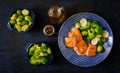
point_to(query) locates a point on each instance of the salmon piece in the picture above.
(75, 40)
(75, 33)
(78, 51)
(81, 47)
(70, 42)
(91, 51)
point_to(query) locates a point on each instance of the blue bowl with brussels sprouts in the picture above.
(21, 20)
(39, 54)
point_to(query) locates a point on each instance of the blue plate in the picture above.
(70, 54)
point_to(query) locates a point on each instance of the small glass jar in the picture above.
(48, 30)
(57, 14)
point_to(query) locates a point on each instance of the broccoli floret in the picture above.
(94, 24)
(99, 30)
(35, 61)
(91, 35)
(31, 50)
(43, 60)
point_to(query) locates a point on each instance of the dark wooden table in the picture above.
(13, 58)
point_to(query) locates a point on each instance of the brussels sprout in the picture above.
(21, 16)
(18, 19)
(14, 15)
(30, 23)
(99, 30)
(18, 27)
(28, 18)
(12, 22)
(24, 27)
(24, 22)
(99, 43)
(104, 40)
(25, 12)
(77, 25)
(19, 12)
(88, 23)
(19, 22)
(99, 49)
(13, 18)
(84, 33)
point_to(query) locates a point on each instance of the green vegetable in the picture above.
(14, 15)
(12, 22)
(13, 18)
(99, 43)
(31, 50)
(25, 12)
(24, 27)
(21, 18)
(85, 27)
(43, 60)
(94, 24)
(84, 33)
(24, 22)
(49, 51)
(40, 54)
(104, 40)
(99, 30)
(28, 18)
(91, 35)
(99, 49)
(99, 36)
(18, 19)
(77, 25)
(37, 51)
(92, 29)
(34, 60)
(18, 27)
(19, 12)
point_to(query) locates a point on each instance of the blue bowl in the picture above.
(29, 45)
(11, 28)
(70, 54)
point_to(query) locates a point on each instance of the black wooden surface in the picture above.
(13, 58)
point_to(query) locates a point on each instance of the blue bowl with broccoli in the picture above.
(21, 20)
(39, 54)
